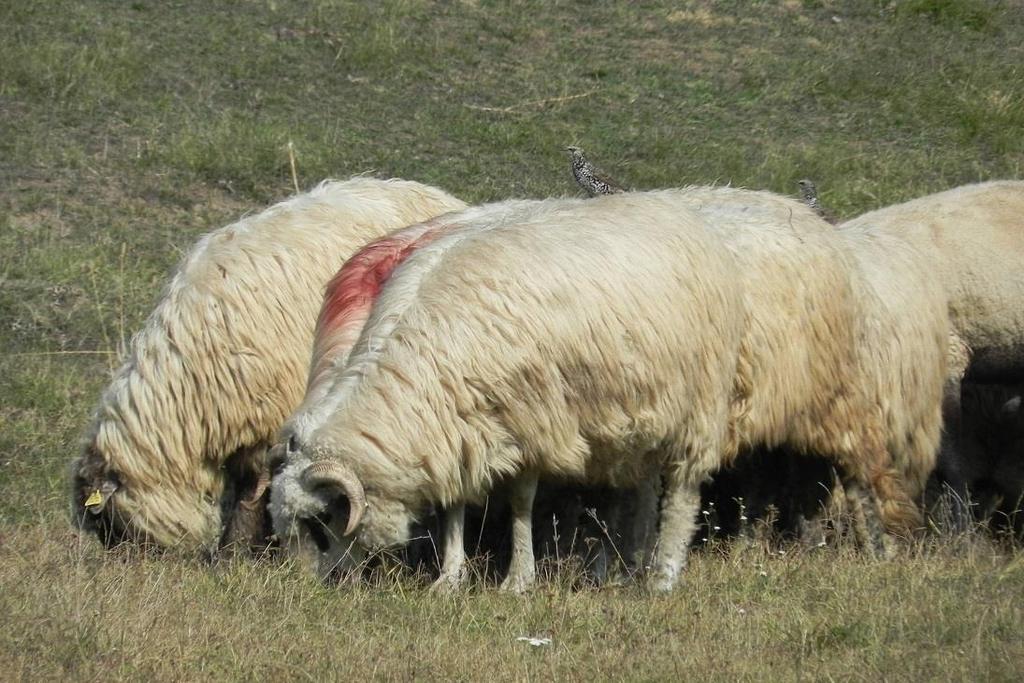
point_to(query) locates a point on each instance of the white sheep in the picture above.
(905, 356)
(585, 340)
(221, 362)
(903, 329)
(972, 238)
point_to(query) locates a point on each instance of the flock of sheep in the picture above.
(327, 374)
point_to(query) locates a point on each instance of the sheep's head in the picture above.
(92, 500)
(326, 519)
(112, 501)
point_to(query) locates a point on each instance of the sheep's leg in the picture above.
(679, 506)
(813, 528)
(867, 522)
(837, 511)
(989, 501)
(954, 501)
(603, 560)
(617, 543)
(644, 524)
(954, 504)
(522, 570)
(858, 521)
(453, 570)
(635, 522)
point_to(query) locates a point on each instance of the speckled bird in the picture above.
(809, 193)
(591, 179)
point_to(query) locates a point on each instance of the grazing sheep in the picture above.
(543, 370)
(220, 363)
(585, 340)
(348, 299)
(972, 237)
(347, 303)
(901, 337)
(905, 352)
(903, 359)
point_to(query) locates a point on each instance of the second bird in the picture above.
(809, 194)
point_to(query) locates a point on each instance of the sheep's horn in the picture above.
(262, 484)
(332, 473)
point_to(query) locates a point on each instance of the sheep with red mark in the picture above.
(220, 363)
(348, 299)
(584, 340)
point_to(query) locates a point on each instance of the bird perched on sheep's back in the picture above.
(591, 179)
(809, 195)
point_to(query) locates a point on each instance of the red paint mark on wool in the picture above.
(352, 291)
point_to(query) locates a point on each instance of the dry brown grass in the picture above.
(935, 613)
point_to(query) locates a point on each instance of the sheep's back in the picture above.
(798, 379)
(973, 237)
(568, 336)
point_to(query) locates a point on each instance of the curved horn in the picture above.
(332, 473)
(262, 484)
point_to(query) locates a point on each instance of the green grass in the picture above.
(128, 129)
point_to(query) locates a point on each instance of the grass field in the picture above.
(127, 129)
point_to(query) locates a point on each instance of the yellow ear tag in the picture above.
(94, 500)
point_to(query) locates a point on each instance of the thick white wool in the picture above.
(223, 358)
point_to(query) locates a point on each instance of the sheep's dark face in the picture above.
(311, 518)
(310, 524)
(95, 507)
(108, 502)
(1001, 439)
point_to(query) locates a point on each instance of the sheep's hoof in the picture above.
(618, 578)
(448, 583)
(662, 581)
(887, 548)
(517, 584)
